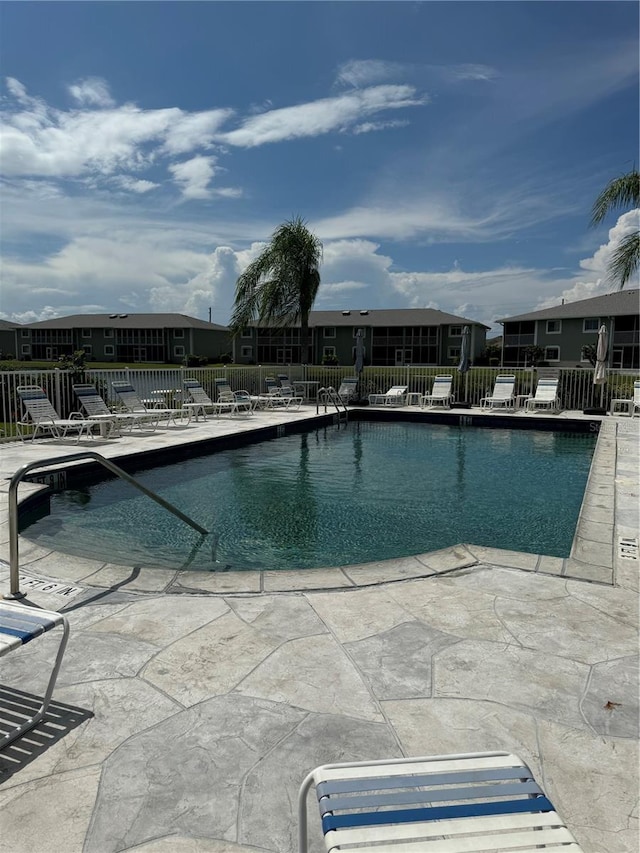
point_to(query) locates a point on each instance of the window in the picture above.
(87, 348)
(455, 331)
(246, 352)
(178, 333)
(328, 351)
(26, 349)
(552, 353)
(246, 333)
(25, 333)
(453, 353)
(109, 350)
(583, 355)
(554, 327)
(108, 333)
(178, 351)
(329, 332)
(86, 333)
(590, 324)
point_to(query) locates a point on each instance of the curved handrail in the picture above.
(14, 574)
(327, 396)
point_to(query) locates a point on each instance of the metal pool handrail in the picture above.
(14, 575)
(329, 395)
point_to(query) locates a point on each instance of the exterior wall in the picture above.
(572, 336)
(8, 343)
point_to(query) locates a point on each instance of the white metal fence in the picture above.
(577, 391)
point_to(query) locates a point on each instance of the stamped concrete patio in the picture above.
(189, 709)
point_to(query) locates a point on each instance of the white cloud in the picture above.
(93, 92)
(365, 72)
(321, 116)
(194, 130)
(370, 126)
(135, 185)
(193, 176)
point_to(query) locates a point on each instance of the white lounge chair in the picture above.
(200, 403)
(131, 401)
(395, 396)
(440, 393)
(239, 401)
(631, 405)
(347, 388)
(278, 396)
(41, 417)
(97, 410)
(20, 624)
(437, 804)
(546, 396)
(503, 394)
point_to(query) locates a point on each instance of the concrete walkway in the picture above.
(184, 723)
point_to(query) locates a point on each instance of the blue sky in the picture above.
(446, 153)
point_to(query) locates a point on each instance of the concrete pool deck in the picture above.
(189, 710)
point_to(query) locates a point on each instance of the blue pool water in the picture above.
(336, 496)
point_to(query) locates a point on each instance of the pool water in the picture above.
(335, 496)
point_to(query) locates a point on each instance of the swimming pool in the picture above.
(336, 496)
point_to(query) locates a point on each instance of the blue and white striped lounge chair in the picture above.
(278, 396)
(440, 393)
(395, 396)
(19, 625)
(239, 402)
(41, 417)
(546, 396)
(484, 801)
(503, 394)
(200, 403)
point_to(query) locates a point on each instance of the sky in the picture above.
(447, 154)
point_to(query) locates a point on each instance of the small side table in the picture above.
(413, 398)
(521, 400)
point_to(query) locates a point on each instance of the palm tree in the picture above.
(280, 286)
(620, 193)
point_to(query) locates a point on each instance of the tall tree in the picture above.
(280, 286)
(621, 193)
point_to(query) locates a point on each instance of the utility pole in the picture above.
(209, 314)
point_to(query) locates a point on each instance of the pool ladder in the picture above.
(14, 573)
(329, 397)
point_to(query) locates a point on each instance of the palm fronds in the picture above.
(622, 192)
(625, 260)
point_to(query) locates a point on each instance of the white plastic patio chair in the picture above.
(200, 403)
(395, 396)
(41, 415)
(440, 393)
(347, 388)
(238, 402)
(546, 396)
(503, 394)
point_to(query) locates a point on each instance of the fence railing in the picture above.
(576, 388)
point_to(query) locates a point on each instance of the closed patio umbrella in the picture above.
(602, 350)
(463, 366)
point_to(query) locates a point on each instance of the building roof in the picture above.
(126, 321)
(619, 304)
(387, 317)
(8, 326)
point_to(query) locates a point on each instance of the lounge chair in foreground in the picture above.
(546, 396)
(632, 405)
(395, 396)
(20, 624)
(131, 401)
(97, 410)
(440, 393)
(503, 394)
(41, 417)
(483, 801)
